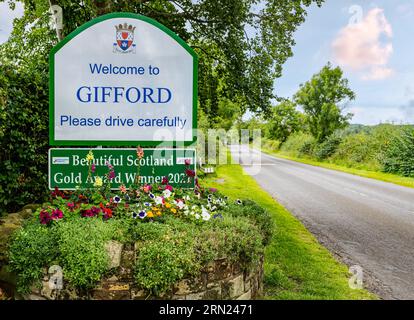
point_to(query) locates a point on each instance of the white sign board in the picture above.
(122, 79)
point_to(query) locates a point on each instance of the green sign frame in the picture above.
(54, 142)
(71, 165)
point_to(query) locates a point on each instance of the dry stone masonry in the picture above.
(220, 280)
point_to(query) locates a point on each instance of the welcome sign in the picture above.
(122, 79)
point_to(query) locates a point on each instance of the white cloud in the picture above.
(6, 19)
(375, 115)
(358, 46)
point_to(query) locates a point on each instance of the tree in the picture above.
(323, 99)
(241, 45)
(284, 121)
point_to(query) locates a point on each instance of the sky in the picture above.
(372, 41)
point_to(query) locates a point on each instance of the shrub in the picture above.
(81, 250)
(32, 248)
(328, 147)
(299, 144)
(170, 247)
(23, 135)
(257, 214)
(399, 157)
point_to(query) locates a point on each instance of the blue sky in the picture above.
(371, 40)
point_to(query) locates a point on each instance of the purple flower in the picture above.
(111, 175)
(190, 173)
(44, 217)
(213, 190)
(142, 214)
(57, 214)
(93, 167)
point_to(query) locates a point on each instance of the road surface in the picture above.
(362, 221)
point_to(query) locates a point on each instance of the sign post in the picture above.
(122, 79)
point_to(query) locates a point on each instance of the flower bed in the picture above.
(149, 238)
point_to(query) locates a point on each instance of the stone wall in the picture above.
(219, 280)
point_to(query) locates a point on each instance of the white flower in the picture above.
(197, 216)
(179, 204)
(205, 214)
(187, 197)
(158, 200)
(166, 193)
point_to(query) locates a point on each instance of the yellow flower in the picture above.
(173, 210)
(150, 214)
(89, 157)
(167, 205)
(98, 182)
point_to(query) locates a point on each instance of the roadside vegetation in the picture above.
(296, 265)
(313, 128)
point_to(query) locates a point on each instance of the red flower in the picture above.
(164, 180)
(57, 214)
(168, 187)
(190, 173)
(57, 193)
(44, 217)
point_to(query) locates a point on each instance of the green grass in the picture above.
(386, 177)
(296, 265)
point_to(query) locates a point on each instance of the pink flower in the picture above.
(57, 214)
(168, 187)
(123, 189)
(164, 180)
(147, 188)
(187, 162)
(140, 152)
(111, 175)
(93, 167)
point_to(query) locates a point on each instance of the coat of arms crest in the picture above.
(124, 38)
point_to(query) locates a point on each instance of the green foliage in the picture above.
(399, 157)
(235, 72)
(81, 250)
(253, 211)
(328, 147)
(320, 98)
(32, 248)
(163, 261)
(23, 132)
(284, 121)
(168, 250)
(299, 144)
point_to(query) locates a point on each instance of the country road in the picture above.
(362, 221)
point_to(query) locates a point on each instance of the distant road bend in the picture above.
(363, 221)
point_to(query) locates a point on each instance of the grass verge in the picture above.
(382, 176)
(296, 265)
